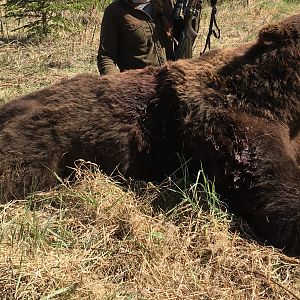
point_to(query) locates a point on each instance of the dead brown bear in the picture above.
(236, 111)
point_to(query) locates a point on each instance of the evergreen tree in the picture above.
(42, 17)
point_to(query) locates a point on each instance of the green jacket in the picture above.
(131, 39)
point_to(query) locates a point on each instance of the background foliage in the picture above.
(38, 18)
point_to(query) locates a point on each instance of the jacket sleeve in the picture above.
(109, 43)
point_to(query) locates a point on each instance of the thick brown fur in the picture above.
(235, 111)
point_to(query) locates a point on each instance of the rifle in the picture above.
(187, 15)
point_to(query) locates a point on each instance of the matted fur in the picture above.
(236, 111)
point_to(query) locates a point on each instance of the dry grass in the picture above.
(96, 240)
(27, 65)
(239, 23)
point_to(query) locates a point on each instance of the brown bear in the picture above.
(236, 112)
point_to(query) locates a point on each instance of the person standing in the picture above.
(135, 34)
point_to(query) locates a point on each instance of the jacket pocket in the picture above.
(133, 31)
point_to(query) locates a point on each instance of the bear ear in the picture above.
(281, 33)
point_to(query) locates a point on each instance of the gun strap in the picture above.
(212, 24)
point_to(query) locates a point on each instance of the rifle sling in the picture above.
(212, 24)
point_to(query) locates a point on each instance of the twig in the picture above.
(276, 283)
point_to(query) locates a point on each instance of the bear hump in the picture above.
(281, 33)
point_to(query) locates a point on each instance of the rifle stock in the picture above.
(192, 17)
(190, 32)
(187, 13)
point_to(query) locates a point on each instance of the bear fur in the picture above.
(235, 111)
